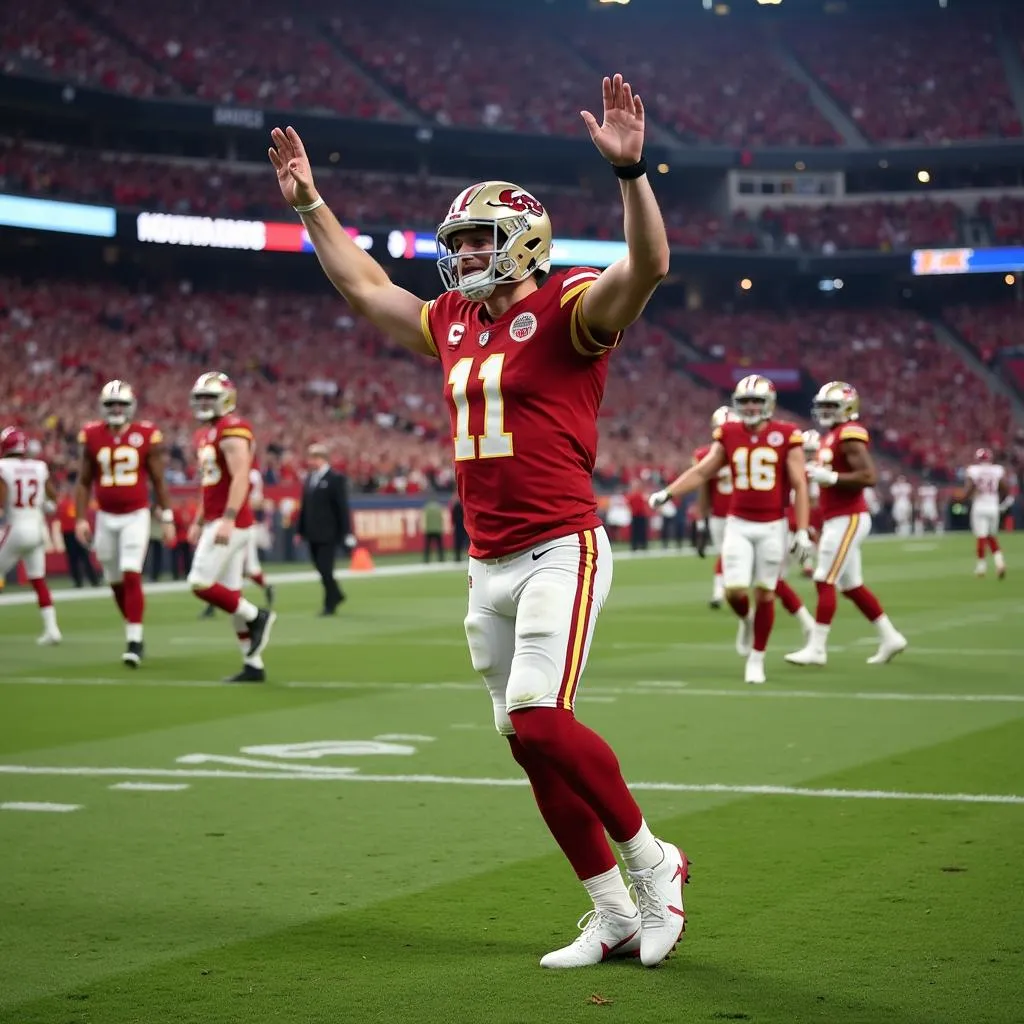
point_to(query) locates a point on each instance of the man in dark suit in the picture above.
(324, 521)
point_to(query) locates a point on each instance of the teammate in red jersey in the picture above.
(524, 354)
(121, 457)
(221, 531)
(766, 460)
(844, 469)
(713, 507)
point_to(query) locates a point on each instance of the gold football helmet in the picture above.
(811, 442)
(213, 396)
(835, 402)
(754, 399)
(117, 403)
(723, 414)
(521, 232)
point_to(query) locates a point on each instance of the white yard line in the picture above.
(31, 805)
(342, 775)
(643, 688)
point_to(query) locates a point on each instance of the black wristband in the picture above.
(631, 171)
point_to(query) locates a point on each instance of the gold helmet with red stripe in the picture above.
(213, 396)
(753, 399)
(723, 414)
(836, 402)
(117, 403)
(520, 233)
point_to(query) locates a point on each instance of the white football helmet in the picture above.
(754, 399)
(811, 442)
(117, 403)
(835, 402)
(723, 414)
(521, 233)
(213, 396)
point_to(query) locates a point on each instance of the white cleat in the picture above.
(603, 936)
(754, 672)
(659, 895)
(50, 638)
(808, 656)
(888, 649)
(745, 636)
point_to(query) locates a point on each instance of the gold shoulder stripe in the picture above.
(716, 434)
(237, 432)
(428, 335)
(583, 341)
(853, 432)
(577, 289)
(156, 437)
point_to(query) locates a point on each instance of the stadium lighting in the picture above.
(746, 284)
(1010, 279)
(924, 177)
(622, 2)
(663, 168)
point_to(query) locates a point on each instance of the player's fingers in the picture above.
(591, 122)
(274, 158)
(282, 143)
(627, 96)
(297, 146)
(638, 107)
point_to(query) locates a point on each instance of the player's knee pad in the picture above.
(764, 595)
(481, 650)
(736, 591)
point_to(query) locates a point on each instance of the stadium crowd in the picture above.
(308, 370)
(709, 80)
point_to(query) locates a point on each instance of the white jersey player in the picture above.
(902, 505)
(928, 510)
(26, 493)
(988, 493)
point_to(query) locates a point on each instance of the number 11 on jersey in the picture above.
(494, 442)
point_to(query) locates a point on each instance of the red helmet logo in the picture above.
(521, 202)
(983, 455)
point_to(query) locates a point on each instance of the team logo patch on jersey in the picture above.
(774, 439)
(135, 439)
(484, 338)
(523, 327)
(455, 335)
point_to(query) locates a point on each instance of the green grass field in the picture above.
(856, 832)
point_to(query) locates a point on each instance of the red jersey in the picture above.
(841, 501)
(118, 457)
(757, 457)
(214, 478)
(720, 486)
(523, 394)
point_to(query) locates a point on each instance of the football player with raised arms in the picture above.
(766, 459)
(990, 498)
(222, 528)
(844, 468)
(120, 457)
(26, 494)
(524, 359)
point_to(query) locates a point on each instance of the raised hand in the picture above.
(294, 175)
(620, 136)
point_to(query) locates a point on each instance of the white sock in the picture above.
(246, 609)
(641, 852)
(980, 566)
(718, 590)
(49, 615)
(755, 658)
(804, 617)
(609, 892)
(886, 630)
(133, 632)
(997, 557)
(254, 662)
(819, 636)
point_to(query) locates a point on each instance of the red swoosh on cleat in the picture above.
(607, 951)
(676, 910)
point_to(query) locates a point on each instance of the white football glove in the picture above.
(658, 498)
(822, 475)
(1006, 504)
(803, 546)
(350, 542)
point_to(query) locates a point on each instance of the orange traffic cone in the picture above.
(361, 560)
